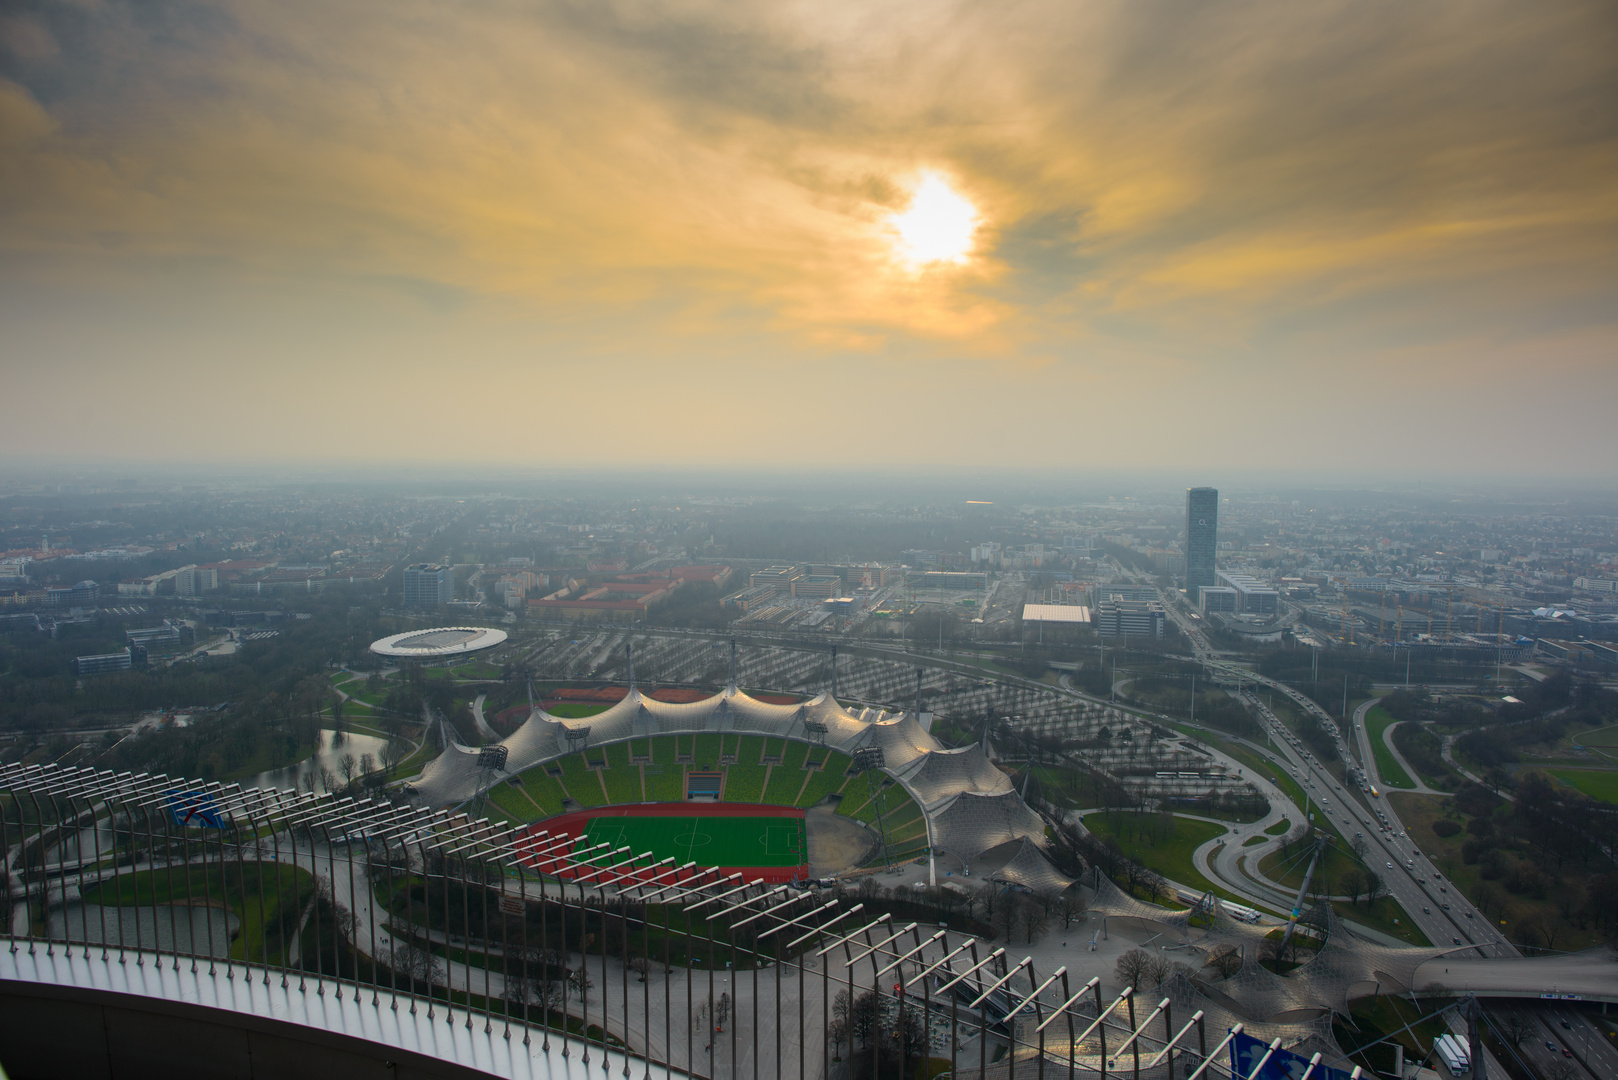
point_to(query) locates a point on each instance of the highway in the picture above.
(1443, 914)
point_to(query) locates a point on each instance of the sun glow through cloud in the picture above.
(938, 227)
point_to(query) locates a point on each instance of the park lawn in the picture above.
(477, 670)
(1418, 812)
(1279, 828)
(1170, 857)
(576, 710)
(1600, 784)
(623, 779)
(1387, 766)
(665, 783)
(1380, 916)
(580, 781)
(145, 887)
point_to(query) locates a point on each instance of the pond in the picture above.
(145, 928)
(329, 756)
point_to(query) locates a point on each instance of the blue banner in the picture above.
(194, 808)
(1246, 1052)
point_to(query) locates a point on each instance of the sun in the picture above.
(938, 227)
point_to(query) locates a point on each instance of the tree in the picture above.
(1517, 1028)
(1227, 961)
(640, 966)
(1070, 906)
(394, 751)
(347, 764)
(1131, 967)
(1156, 969)
(721, 1012)
(367, 763)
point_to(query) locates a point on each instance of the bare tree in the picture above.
(1070, 906)
(1131, 967)
(367, 763)
(347, 764)
(721, 1011)
(1155, 970)
(1517, 1028)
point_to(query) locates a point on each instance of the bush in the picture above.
(1445, 828)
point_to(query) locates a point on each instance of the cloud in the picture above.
(1210, 191)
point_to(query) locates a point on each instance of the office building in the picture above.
(1217, 598)
(1201, 538)
(1253, 597)
(428, 585)
(84, 594)
(132, 657)
(1117, 617)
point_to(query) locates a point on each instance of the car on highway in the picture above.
(1444, 906)
(1456, 940)
(1565, 1025)
(1390, 866)
(1550, 1046)
(1426, 911)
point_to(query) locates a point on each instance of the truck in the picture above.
(1454, 1054)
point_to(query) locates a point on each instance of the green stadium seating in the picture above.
(581, 781)
(787, 778)
(623, 779)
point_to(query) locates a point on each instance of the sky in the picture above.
(1377, 237)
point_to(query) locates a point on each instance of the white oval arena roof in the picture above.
(437, 642)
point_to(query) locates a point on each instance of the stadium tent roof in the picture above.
(438, 642)
(939, 779)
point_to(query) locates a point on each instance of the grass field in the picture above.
(575, 710)
(1170, 857)
(1387, 766)
(710, 841)
(1599, 784)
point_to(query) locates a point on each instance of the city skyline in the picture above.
(1274, 236)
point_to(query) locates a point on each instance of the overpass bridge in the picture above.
(1586, 976)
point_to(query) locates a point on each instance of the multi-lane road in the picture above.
(1442, 913)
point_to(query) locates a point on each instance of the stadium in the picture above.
(781, 790)
(439, 643)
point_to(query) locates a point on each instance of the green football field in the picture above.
(709, 841)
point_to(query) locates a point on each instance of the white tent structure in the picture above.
(969, 804)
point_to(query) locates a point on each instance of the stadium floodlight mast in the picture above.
(491, 761)
(578, 738)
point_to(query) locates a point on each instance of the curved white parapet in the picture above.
(307, 1011)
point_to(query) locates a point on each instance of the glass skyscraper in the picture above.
(1201, 538)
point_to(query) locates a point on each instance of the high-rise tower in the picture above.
(1201, 538)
